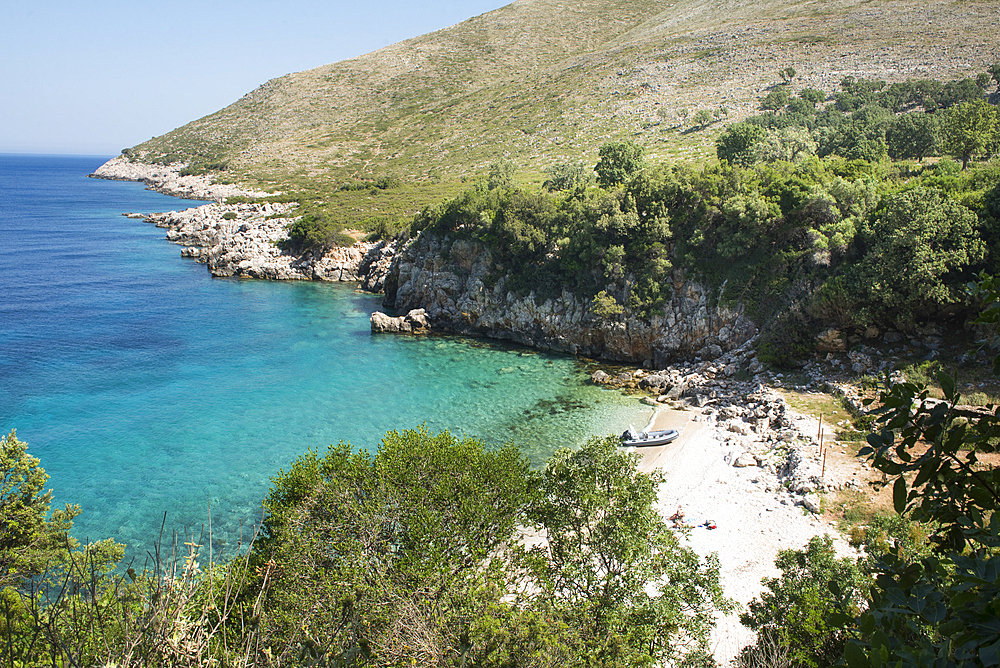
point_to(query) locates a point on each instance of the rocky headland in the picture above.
(167, 179)
(237, 240)
(451, 281)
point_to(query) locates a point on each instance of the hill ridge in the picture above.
(542, 80)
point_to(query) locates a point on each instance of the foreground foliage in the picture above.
(432, 551)
(417, 554)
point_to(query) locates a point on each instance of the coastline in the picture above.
(743, 458)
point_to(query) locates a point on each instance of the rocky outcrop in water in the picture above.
(415, 321)
(453, 281)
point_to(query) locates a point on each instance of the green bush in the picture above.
(415, 555)
(315, 231)
(796, 609)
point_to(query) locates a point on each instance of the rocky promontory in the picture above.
(167, 179)
(241, 240)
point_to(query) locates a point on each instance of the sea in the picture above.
(162, 400)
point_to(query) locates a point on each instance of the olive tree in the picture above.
(612, 569)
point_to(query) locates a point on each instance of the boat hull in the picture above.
(647, 439)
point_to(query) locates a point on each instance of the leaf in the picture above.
(947, 385)
(990, 655)
(899, 495)
(981, 495)
(855, 657)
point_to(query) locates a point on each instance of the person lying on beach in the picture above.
(678, 517)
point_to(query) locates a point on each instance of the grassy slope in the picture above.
(540, 81)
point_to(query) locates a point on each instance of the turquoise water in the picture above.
(147, 387)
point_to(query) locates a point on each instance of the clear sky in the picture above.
(93, 78)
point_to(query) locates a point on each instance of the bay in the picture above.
(151, 391)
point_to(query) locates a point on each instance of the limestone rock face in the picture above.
(374, 266)
(455, 281)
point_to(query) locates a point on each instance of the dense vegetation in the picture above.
(806, 220)
(432, 551)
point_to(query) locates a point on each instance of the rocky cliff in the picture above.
(452, 281)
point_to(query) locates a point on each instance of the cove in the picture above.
(146, 387)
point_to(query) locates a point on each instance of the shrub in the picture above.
(795, 611)
(567, 176)
(314, 231)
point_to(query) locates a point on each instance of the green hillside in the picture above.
(540, 81)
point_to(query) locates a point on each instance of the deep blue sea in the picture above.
(146, 386)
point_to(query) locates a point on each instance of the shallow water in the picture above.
(147, 387)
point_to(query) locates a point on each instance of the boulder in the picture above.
(654, 381)
(414, 321)
(831, 341)
(677, 390)
(811, 502)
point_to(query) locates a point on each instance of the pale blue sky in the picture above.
(96, 77)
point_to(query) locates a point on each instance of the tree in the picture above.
(395, 557)
(787, 74)
(618, 161)
(812, 95)
(30, 540)
(917, 246)
(612, 569)
(788, 144)
(795, 610)
(969, 130)
(738, 143)
(941, 608)
(566, 176)
(912, 136)
(501, 174)
(414, 556)
(702, 118)
(605, 306)
(775, 100)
